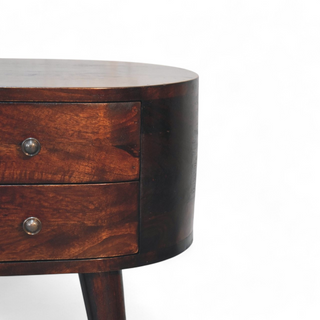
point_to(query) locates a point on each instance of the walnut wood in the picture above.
(89, 81)
(78, 221)
(80, 142)
(103, 295)
(168, 169)
(169, 106)
(94, 265)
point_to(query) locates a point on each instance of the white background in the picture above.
(256, 241)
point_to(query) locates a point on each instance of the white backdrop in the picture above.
(256, 248)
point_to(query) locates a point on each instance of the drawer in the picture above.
(79, 142)
(78, 221)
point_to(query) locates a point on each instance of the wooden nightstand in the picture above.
(97, 170)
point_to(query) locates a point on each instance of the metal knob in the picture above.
(30, 147)
(32, 226)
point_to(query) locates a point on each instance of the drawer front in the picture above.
(79, 142)
(78, 221)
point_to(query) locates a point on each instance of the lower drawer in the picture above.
(77, 221)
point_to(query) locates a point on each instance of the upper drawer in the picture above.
(80, 142)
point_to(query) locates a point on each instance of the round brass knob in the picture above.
(30, 147)
(32, 225)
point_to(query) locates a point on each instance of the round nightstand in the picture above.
(97, 170)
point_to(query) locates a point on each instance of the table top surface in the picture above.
(35, 73)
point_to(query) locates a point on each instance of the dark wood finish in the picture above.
(94, 265)
(103, 295)
(97, 122)
(89, 81)
(169, 106)
(78, 221)
(80, 142)
(168, 169)
(37, 74)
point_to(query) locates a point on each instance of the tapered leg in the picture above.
(103, 295)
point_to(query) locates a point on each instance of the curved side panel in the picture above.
(168, 169)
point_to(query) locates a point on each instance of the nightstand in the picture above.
(97, 170)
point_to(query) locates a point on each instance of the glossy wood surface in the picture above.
(78, 221)
(88, 81)
(169, 131)
(169, 142)
(35, 73)
(95, 265)
(80, 142)
(103, 295)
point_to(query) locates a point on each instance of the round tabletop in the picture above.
(35, 73)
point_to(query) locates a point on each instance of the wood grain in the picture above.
(89, 81)
(168, 156)
(78, 221)
(94, 265)
(80, 142)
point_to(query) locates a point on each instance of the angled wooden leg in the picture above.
(103, 295)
